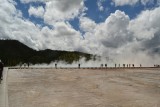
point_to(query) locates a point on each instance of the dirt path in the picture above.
(84, 88)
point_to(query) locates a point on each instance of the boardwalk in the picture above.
(3, 90)
(84, 87)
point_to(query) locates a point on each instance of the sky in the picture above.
(126, 31)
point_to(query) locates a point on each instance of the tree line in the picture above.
(13, 52)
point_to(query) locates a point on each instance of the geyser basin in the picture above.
(84, 87)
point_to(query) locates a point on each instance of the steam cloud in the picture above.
(120, 38)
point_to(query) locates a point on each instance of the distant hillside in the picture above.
(13, 52)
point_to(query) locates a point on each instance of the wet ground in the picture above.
(84, 87)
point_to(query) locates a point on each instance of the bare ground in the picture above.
(84, 88)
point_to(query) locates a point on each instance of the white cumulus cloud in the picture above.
(125, 2)
(132, 2)
(57, 10)
(146, 24)
(28, 1)
(36, 11)
(87, 24)
(99, 4)
(60, 10)
(118, 37)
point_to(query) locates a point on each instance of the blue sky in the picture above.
(117, 29)
(92, 11)
(24, 9)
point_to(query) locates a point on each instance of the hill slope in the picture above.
(13, 52)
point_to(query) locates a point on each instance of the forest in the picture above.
(13, 52)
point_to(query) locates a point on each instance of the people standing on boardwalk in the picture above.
(1, 70)
(79, 65)
(28, 64)
(106, 65)
(56, 66)
(101, 65)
